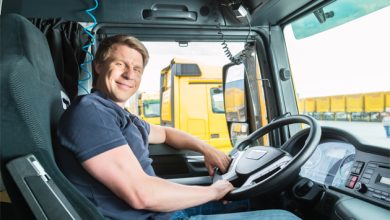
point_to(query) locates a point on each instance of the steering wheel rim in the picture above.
(275, 166)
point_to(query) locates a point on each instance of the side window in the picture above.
(217, 100)
(152, 108)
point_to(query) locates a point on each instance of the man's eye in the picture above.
(138, 71)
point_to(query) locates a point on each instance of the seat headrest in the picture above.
(20, 38)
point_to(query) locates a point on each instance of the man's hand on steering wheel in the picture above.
(215, 158)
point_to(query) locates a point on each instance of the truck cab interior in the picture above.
(282, 156)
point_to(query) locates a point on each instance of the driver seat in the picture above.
(32, 101)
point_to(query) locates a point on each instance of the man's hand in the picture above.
(215, 158)
(221, 188)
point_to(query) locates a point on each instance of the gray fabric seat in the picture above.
(32, 101)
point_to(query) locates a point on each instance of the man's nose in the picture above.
(129, 73)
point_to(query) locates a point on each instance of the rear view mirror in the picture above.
(333, 15)
(234, 93)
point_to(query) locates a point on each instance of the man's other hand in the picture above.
(215, 158)
(221, 188)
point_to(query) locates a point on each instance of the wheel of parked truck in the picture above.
(258, 170)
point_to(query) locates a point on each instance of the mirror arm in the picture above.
(268, 82)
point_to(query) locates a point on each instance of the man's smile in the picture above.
(124, 85)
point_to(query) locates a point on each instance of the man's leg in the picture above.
(218, 207)
(252, 215)
(236, 210)
(210, 208)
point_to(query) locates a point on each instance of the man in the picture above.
(104, 148)
(386, 123)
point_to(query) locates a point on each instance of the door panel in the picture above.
(171, 163)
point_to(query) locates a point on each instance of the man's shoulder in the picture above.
(90, 101)
(86, 106)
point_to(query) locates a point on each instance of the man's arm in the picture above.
(181, 140)
(120, 171)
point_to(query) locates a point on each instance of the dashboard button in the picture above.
(368, 176)
(358, 170)
(361, 187)
(364, 180)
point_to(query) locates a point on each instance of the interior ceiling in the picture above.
(263, 12)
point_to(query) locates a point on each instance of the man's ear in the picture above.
(98, 67)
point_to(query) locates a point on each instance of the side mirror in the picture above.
(235, 101)
(234, 93)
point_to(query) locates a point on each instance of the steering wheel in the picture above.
(260, 169)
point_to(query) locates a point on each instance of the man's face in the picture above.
(120, 75)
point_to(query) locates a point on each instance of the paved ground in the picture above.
(373, 132)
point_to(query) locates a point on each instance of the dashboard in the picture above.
(343, 163)
(330, 163)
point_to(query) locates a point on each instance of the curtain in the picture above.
(66, 39)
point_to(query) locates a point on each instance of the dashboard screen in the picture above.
(330, 163)
(385, 180)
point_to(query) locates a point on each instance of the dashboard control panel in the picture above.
(370, 180)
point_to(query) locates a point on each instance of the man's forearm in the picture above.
(164, 196)
(183, 141)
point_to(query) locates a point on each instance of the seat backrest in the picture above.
(32, 101)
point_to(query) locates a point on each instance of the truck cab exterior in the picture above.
(192, 101)
(149, 107)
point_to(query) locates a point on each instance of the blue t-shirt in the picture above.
(92, 125)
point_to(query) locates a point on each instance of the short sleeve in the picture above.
(145, 124)
(90, 129)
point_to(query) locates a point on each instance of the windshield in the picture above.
(341, 75)
(152, 109)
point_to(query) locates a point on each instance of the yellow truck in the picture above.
(338, 107)
(235, 103)
(149, 107)
(374, 102)
(323, 107)
(353, 107)
(337, 103)
(387, 102)
(192, 101)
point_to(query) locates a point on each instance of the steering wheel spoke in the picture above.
(262, 174)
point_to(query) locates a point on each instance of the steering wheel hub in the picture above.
(257, 158)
